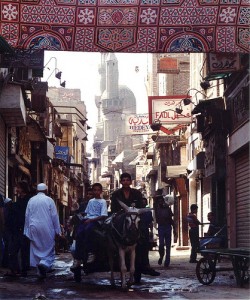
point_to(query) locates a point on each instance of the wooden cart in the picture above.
(208, 265)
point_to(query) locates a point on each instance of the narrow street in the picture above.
(176, 282)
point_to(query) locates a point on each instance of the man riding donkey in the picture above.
(96, 212)
(119, 237)
(131, 197)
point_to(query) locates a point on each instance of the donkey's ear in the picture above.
(143, 210)
(123, 205)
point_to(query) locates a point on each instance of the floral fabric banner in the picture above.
(150, 26)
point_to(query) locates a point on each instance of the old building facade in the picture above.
(32, 130)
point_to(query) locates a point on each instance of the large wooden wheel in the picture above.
(241, 270)
(205, 270)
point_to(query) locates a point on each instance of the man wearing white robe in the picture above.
(41, 227)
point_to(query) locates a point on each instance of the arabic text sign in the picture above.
(223, 63)
(23, 59)
(162, 109)
(62, 153)
(137, 124)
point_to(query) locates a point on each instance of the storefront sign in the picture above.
(223, 63)
(168, 65)
(23, 59)
(62, 153)
(138, 124)
(163, 109)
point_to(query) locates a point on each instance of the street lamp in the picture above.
(58, 74)
(187, 100)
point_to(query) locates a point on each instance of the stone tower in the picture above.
(114, 102)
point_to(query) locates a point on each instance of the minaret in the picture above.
(102, 72)
(112, 77)
(102, 88)
(111, 106)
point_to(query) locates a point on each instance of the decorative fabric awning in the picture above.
(150, 26)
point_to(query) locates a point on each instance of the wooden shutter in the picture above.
(2, 156)
(242, 198)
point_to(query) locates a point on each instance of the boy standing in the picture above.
(96, 211)
(193, 223)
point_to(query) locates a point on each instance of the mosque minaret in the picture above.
(114, 103)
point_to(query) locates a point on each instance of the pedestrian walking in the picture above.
(42, 227)
(193, 223)
(19, 245)
(165, 222)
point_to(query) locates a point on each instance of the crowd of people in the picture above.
(33, 235)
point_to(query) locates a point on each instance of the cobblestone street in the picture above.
(176, 282)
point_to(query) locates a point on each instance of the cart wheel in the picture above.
(77, 275)
(244, 271)
(205, 270)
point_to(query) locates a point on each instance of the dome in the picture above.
(126, 99)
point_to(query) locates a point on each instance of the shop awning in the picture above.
(140, 158)
(125, 156)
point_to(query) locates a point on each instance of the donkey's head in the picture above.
(131, 222)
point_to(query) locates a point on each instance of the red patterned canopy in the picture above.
(151, 26)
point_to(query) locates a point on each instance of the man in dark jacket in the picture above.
(126, 194)
(18, 241)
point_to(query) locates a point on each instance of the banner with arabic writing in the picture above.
(138, 124)
(163, 109)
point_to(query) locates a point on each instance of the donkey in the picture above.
(123, 233)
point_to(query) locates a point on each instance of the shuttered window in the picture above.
(242, 198)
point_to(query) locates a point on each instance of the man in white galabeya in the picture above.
(41, 227)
